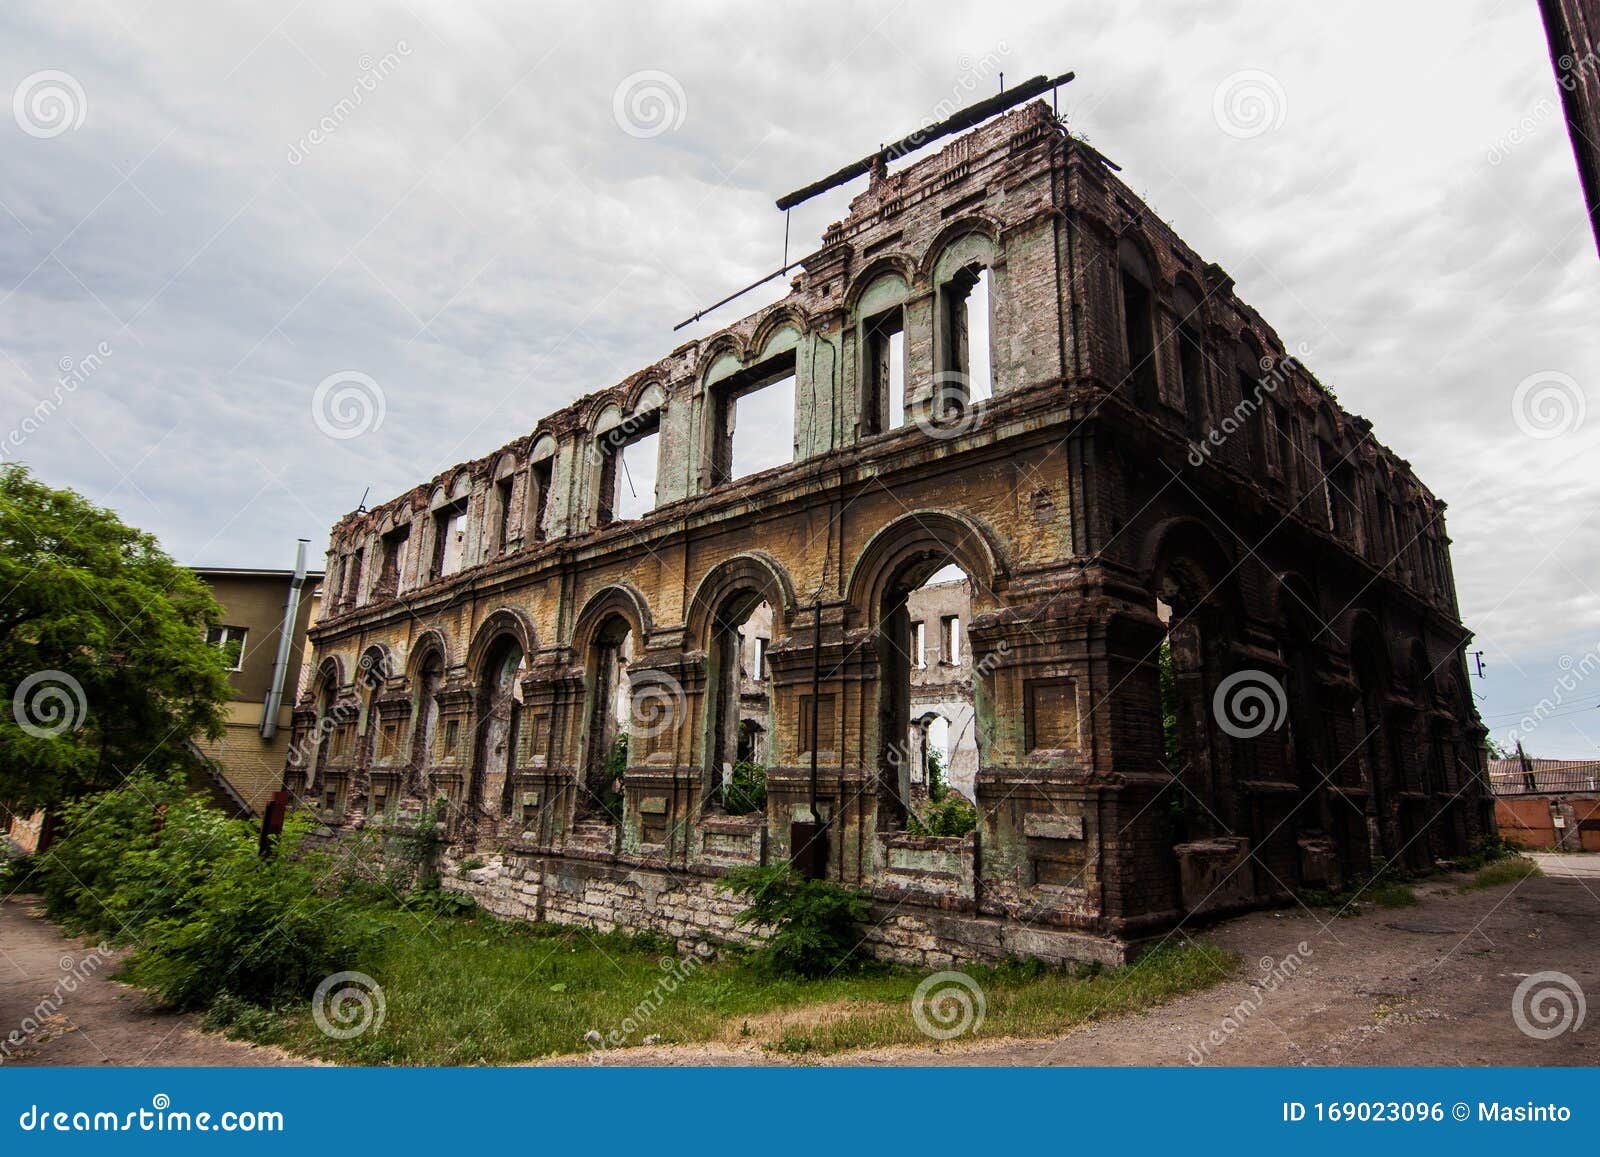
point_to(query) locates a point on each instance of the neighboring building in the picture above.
(1572, 26)
(250, 758)
(1547, 804)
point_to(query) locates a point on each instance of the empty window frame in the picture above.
(449, 539)
(636, 476)
(540, 476)
(502, 514)
(1138, 324)
(754, 420)
(1191, 360)
(230, 641)
(950, 639)
(394, 544)
(966, 366)
(919, 645)
(883, 404)
(760, 672)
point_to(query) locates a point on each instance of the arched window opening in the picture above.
(929, 599)
(499, 694)
(609, 708)
(425, 716)
(737, 703)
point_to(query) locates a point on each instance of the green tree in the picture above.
(104, 664)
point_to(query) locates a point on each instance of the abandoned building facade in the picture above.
(1207, 631)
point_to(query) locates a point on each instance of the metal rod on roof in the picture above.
(963, 119)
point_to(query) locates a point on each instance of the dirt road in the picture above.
(55, 997)
(1430, 985)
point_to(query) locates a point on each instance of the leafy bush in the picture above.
(261, 930)
(747, 790)
(952, 816)
(815, 924)
(100, 836)
(612, 800)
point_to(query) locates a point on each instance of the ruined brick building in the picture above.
(1215, 652)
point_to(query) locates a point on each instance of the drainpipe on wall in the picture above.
(280, 665)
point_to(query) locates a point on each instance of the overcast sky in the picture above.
(505, 217)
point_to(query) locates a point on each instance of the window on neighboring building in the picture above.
(950, 639)
(919, 650)
(761, 658)
(230, 641)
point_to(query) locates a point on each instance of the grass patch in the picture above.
(1507, 870)
(1382, 892)
(478, 991)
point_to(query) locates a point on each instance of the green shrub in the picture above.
(261, 930)
(747, 790)
(815, 924)
(952, 816)
(98, 837)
